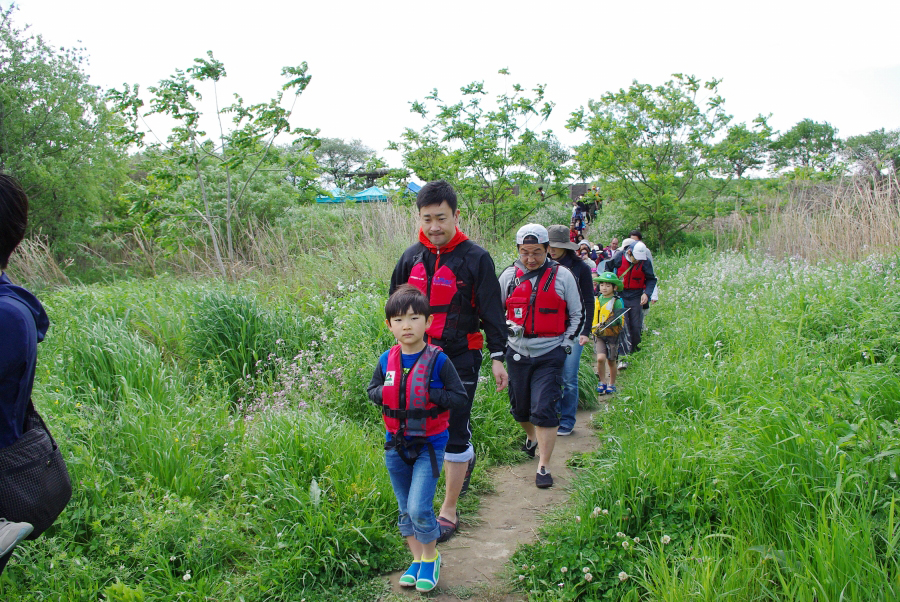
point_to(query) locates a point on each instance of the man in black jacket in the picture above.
(460, 281)
(563, 251)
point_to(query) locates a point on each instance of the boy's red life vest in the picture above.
(539, 310)
(452, 300)
(632, 275)
(405, 401)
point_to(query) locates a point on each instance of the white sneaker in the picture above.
(622, 365)
(11, 534)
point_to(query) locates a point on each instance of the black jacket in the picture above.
(585, 281)
(479, 275)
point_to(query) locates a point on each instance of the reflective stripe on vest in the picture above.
(405, 399)
(541, 311)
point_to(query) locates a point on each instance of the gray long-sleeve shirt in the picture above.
(567, 288)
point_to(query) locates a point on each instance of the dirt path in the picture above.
(474, 560)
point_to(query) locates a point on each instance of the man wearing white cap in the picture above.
(635, 268)
(544, 314)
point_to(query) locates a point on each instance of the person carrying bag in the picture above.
(34, 482)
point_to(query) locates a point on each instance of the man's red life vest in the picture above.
(404, 397)
(452, 300)
(632, 278)
(540, 310)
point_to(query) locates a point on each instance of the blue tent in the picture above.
(335, 195)
(373, 194)
(413, 188)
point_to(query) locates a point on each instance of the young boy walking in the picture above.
(608, 328)
(415, 384)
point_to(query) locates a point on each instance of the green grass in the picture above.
(222, 433)
(758, 434)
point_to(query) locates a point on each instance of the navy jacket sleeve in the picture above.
(586, 285)
(453, 394)
(649, 277)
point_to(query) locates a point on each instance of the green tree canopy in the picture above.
(56, 134)
(745, 147)
(654, 146)
(810, 145)
(196, 176)
(481, 147)
(875, 152)
(337, 157)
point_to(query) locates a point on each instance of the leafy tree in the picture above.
(56, 134)
(480, 149)
(745, 147)
(544, 157)
(875, 152)
(809, 145)
(190, 158)
(654, 147)
(338, 158)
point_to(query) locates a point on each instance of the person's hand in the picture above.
(582, 340)
(500, 375)
(644, 299)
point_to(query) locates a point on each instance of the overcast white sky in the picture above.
(827, 61)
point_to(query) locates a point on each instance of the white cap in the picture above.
(536, 230)
(586, 242)
(640, 251)
(627, 242)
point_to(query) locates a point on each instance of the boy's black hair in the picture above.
(637, 233)
(435, 193)
(403, 299)
(13, 216)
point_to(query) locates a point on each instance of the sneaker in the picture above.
(611, 389)
(469, 468)
(529, 447)
(428, 575)
(564, 432)
(601, 389)
(622, 365)
(542, 479)
(411, 575)
(11, 534)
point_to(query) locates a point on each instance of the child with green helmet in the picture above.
(608, 329)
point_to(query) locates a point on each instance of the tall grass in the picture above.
(754, 449)
(848, 220)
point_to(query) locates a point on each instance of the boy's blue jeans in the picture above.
(568, 403)
(414, 488)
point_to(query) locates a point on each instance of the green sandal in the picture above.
(411, 575)
(428, 575)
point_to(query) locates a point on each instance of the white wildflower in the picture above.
(588, 577)
(666, 539)
(623, 576)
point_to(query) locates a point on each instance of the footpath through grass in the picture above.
(221, 445)
(753, 452)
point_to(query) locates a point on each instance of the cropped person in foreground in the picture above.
(415, 384)
(18, 342)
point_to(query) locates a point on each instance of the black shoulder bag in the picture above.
(34, 481)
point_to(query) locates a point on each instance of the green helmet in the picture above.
(609, 277)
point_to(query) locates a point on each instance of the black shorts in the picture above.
(535, 386)
(467, 365)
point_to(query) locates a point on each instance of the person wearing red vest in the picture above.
(460, 281)
(634, 267)
(415, 384)
(544, 314)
